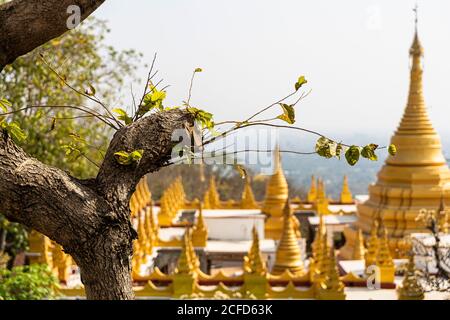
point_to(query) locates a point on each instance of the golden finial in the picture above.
(288, 254)
(200, 230)
(372, 246)
(312, 193)
(248, 198)
(275, 199)
(410, 289)
(184, 264)
(384, 260)
(330, 287)
(253, 261)
(346, 194)
(359, 251)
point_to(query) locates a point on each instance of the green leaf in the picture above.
(392, 149)
(338, 151)
(198, 70)
(352, 155)
(5, 104)
(288, 113)
(125, 158)
(300, 82)
(205, 118)
(158, 95)
(368, 152)
(325, 147)
(13, 128)
(136, 155)
(123, 115)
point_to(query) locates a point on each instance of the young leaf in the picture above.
(122, 115)
(392, 149)
(198, 70)
(4, 104)
(123, 158)
(288, 113)
(300, 82)
(352, 155)
(15, 131)
(136, 155)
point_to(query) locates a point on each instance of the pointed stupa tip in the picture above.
(287, 208)
(416, 47)
(442, 203)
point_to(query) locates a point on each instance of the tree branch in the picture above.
(27, 24)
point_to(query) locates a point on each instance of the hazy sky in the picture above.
(354, 54)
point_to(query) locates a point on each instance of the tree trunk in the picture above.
(90, 219)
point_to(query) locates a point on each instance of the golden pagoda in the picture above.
(248, 198)
(211, 199)
(321, 203)
(253, 261)
(359, 250)
(312, 193)
(346, 194)
(384, 260)
(275, 200)
(62, 263)
(370, 256)
(255, 271)
(329, 286)
(200, 230)
(410, 289)
(288, 255)
(414, 178)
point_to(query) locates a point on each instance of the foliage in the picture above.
(15, 237)
(34, 282)
(127, 158)
(81, 57)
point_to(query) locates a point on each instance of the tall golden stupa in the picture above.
(275, 200)
(413, 179)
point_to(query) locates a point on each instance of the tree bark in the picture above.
(90, 219)
(27, 24)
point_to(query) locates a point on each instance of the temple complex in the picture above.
(283, 246)
(416, 178)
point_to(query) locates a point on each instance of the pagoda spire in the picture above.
(312, 193)
(330, 286)
(288, 254)
(248, 198)
(275, 199)
(185, 263)
(372, 246)
(359, 250)
(200, 230)
(253, 261)
(346, 194)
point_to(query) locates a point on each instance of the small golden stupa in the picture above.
(288, 255)
(413, 179)
(312, 193)
(346, 194)
(248, 198)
